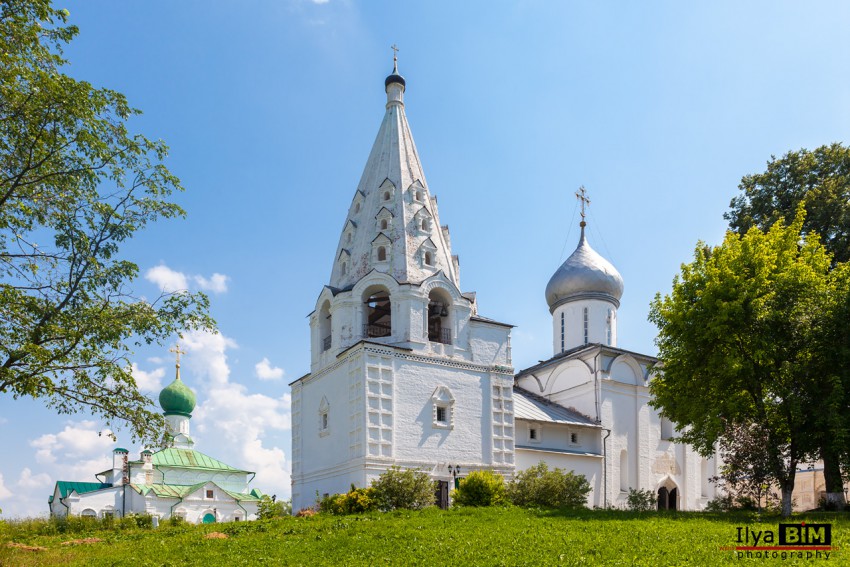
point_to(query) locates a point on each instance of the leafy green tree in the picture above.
(480, 488)
(818, 180)
(399, 489)
(75, 184)
(269, 507)
(539, 486)
(737, 337)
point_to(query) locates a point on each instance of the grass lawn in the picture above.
(492, 536)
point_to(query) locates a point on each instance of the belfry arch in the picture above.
(377, 313)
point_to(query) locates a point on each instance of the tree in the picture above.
(820, 181)
(749, 461)
(74, 186)
(270, 507)
(737, 337)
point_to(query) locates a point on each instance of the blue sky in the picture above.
(270, 109)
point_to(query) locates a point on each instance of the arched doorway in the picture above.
(668, 499)
(209, 518)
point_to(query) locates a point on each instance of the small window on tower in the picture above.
(386, 195)
(586, 326)
(574, 438)
(384, 224)
(348, 238)
(419, 196)
(533, 434)
(356, 208)
(424, 224)
(429, 259)
(441, 414)
(343, 268)
(382, 254)
(210, 494)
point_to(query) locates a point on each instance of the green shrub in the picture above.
(480, 488)
(355, 501)
(174, 521)
(397, 489)
(538, 486)
(641, 500)
(273, 508)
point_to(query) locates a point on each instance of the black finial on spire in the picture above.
(395, 77)
(581, 195)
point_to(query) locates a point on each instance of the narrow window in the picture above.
(585, 326)
(348, 238)
(386, 195)
(356, 208)
(429, 261)
(384, 224)
(441, 414)
(532, 434)
(608, 327)
(562, 331)
(419, 195)
(574, 438)
(342, 269)
(325, 420)
(237, 519)
(424, 224)
(382, 254)
(624, 471)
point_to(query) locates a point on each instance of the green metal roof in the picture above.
(190, 459)
(66, 487)
(183, 490)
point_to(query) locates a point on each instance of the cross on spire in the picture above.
(176, 350)
(581, 195)
(395, 58)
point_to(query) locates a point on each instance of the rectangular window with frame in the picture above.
(210, 494)
(586, 325)
(574, 438)
(441, 414)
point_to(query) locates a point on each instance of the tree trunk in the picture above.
(787, 487)
(832, 478)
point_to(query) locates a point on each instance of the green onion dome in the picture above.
(177, 399)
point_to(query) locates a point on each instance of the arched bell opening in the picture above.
(439, 317)
(325, 326)
(377, 316)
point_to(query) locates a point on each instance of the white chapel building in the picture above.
(174, 481)
(405, 371)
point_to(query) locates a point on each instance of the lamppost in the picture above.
(454, 470)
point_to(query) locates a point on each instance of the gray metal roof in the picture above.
(535, 408)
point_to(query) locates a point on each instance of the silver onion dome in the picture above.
(584, 275)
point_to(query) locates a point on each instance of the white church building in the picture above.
(405, 371)
(174, 481)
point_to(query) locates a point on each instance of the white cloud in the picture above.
(171, 281)
(167, 279)
(217, 283)
(243, 424)
(76, 442)
(31, 481)
(206, 354)
(320, 1)
(265, 371)
(148, 381)
(4, 492)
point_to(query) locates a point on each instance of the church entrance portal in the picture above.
(668, 499)
(442, 494)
